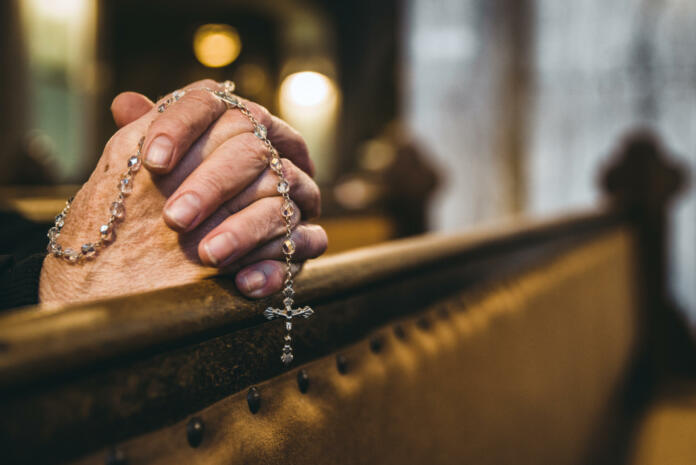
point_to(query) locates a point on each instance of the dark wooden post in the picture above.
(642, 182)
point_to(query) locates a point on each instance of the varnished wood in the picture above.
(103, 372)
(38, 342)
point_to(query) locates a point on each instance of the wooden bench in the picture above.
(527, 342)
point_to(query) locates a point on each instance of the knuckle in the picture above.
(301, 149)
(261, 113)
(203, 83)
(173, 125)
(233, 118)
(294, 219)
(314, 199)
(201, 97)
(269, 223)
(209, 83)
(312, 240)
(253, 146)
(211, 188)
(290, 171)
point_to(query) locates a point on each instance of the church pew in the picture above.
(524, 342)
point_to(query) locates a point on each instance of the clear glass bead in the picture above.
(71, 255)
(53, 233)
(260, 131)
(178, 94)
(134, 163)
(287, 210)
(105, 231)
(161, 108)
(117, 210)
(231, 100)
(276, 164)
(60, 221)
(55, 249)
(283, 187)
(288, 247)
(288, 292)
(286, 358)
(126, 185)
(88, 250)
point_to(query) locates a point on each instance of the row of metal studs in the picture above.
(195, 428)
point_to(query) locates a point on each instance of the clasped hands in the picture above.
(207, 202)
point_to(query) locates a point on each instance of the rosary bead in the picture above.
(287, 210)
(286, 357)
(260, 131)
(276, 164)
(288, 247)
(178, 94)
(88, 250)
(71, 255)
(53, 233)
(126, 185)
(161, 108)
(60, 221)
(134, 163)
(117, 210)
(55, 249)
(283, 187)
(105, 231)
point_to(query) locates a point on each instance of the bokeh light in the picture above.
(307, 89)
(216, 45)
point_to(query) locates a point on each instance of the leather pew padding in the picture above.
(522, 372)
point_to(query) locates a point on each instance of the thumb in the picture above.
(129, 106)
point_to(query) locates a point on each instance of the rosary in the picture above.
(125, 186)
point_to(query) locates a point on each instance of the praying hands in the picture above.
(206, 203)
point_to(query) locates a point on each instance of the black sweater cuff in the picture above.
(19, 281)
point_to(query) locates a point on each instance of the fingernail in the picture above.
(160, 152)
(220, 248)
(184, 210)
(252, 280)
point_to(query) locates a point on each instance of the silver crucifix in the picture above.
(288, 313)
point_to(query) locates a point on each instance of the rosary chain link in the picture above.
(107, 231)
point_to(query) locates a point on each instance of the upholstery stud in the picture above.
(399, 331)
(194, 431)
(303, 381)
(376, 344)
(115, 457)
(254, 399)
(342, 364)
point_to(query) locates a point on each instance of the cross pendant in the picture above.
(288, 313)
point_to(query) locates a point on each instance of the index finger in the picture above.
(172, 133)
(286, 139)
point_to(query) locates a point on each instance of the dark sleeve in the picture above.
(19, 280)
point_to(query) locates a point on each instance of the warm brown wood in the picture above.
(36, 342)
(110, 370)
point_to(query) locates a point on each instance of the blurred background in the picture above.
(420, 114)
